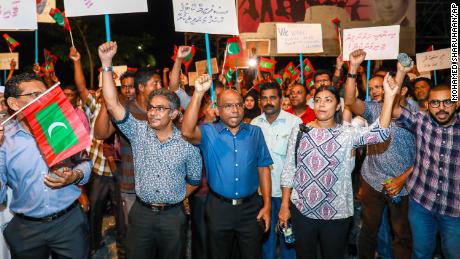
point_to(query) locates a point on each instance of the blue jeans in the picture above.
(384, 237)
(425, 225)
(287, 251)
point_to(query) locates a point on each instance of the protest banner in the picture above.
(201, 66)
(74, 8)
(5, 60)
(18, 15)
(378, 42)
(43, 9)
(433, 60)
(299, 38)
(205, 16)
(192, 78)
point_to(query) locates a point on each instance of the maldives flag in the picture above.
(267, 65)
(49, 57)
(278, 78)
(188, 59)
(310, 83)
(307, 67)
(56, 126)
(292, 70)
(229, 75)
(60, 18)
(12, 43)
(234, 48)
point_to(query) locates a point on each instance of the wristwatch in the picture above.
(352, 75)
(80, 177)
(107, 69)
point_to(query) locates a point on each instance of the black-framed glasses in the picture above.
(437, 103)
(230, 106)
(32, 94)
(159, 109)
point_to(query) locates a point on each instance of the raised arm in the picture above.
(78, 75)
(391, 91)
(338, 71)
(356, 105)
(399, 78)
(190, 129)
(12, 68)
(182, 52)
(103, 127)
(106, 52)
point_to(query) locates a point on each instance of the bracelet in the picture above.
(107, 69)
(80, 178)
(352, 75)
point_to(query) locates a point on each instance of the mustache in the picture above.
(269, 106)
(442, 112)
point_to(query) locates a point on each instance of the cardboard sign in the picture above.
(205, 16)
(18, 15)
(5, 59)
(74, 8)
(117, 72)
(202, 66)
(378, 42)
(43, 11)
(299, 38)
(258, 47)
(433, 60)
(191, 78)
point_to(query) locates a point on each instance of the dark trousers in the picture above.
(373, 204)
(66, 237)
(103, 189)
(332, 236)
(199, 229)
(156, 234)
(228, 224)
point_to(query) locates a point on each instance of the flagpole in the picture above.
(368, 75)
(71, 38)
(225, 58)
(301, 68)
(36, 46)
(34, 100)
(434, 71)
(208, 57)
(107, 27)
(236, 75)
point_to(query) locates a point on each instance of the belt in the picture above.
(234, 202)
(50, 217)
(157, 207)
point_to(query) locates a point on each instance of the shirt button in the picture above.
(440, 168)
(236, 179)
(234, 136)
(437, 194)
(440, 181)
(157, 191)
(236, 150)
(236, 164)
(443, 142)
(236, 193)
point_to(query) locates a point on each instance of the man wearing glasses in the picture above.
(434, 185)
(237, 162)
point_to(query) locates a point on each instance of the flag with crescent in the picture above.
(56, 126)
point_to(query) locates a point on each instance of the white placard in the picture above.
(43, 11)
(205, 16)
(299, 38)
(433, 60)
(74, 8)
(5, 59)
(117, 73)
(18, 15)
(378, 42)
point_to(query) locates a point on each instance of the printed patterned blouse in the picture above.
(321, 181)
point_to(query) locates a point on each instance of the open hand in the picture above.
(390, 87)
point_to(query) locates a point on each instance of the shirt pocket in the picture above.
(280, 144)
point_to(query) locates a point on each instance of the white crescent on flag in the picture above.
(54, 125)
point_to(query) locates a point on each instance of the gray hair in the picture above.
(172, 97)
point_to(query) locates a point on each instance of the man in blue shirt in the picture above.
(237, 161)
(47, 216)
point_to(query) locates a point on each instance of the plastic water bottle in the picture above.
(288, 234)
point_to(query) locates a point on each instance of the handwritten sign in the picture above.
(5, 60)
(433, 60)
(18, 15)
(74, 8)
(205, 16)
(43, 10)
(192, 78)
(202, 66)
(379, 42)
(117, 72)
(299, 38)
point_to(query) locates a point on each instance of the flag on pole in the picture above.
(310, 83)
(56, 126)
(292, 70)
(278, 78)
(49, 57)
(12, 43)
(188, 59)
(267, 65)
(229, 75)
(60, 18)
(234, 48)
(307, 68)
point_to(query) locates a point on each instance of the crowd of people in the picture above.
(262, 170)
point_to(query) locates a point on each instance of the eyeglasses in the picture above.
(33, 94)
(159, 109)
(230, 106)
(127, 86)
(437, 103)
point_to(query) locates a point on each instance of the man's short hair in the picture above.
(174, 101)
(271, 86)
(12, 85)
(69, 87)
(440, 87)
(143, 75)
(321, 72)
(427, 80)
(127, 74)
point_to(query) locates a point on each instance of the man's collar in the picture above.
(281, 116)
(220, 126)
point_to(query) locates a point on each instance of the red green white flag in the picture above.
(292, 70)
(49, 57)
(234, 48)
(229, 75)
(267, 65)
(278, 78)
(310, 83)
(188, 59)
(56, 126)
(307, 68)
(60, 18)
(12, 43)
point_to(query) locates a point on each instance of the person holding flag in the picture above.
(45, 200)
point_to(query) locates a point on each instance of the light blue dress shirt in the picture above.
(23, 169)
